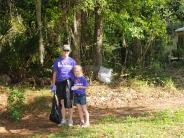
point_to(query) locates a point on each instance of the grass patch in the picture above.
(138, 79)
(152, 77)
(162, 124)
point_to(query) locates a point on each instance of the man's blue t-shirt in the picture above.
(63, 68)
(80, 81)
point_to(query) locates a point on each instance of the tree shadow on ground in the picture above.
(35, 120)
(38, 104)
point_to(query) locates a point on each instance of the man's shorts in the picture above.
(80, 99)
(63, 91)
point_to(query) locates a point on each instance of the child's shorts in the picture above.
(80, 99)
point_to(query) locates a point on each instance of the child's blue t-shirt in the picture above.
(80, 81)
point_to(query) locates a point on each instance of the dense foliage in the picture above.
(112, 33)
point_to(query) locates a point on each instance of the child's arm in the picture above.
(81, 87)
(84, 86)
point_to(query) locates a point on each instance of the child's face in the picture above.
(77, 72)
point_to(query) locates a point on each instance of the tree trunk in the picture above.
(39, 22)
(75, 34)
(145, 51)
(136, 52)
(98, 37)
(84, 38)
(9, 2)
(87, 40)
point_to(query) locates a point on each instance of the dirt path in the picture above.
(38, 122)
(127, 103)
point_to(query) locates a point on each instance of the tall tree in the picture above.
(86, 38)
(98, 38)
(39, 22)
(76, 36)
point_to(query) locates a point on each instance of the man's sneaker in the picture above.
(70, 123)
(62, 122)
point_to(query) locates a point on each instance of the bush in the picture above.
(155, 66)
(15, 104)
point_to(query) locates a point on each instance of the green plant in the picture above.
(15, 104)
(155, 66)
(169, 83)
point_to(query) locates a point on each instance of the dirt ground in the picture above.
(102, 100)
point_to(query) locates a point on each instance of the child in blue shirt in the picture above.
(79, 88)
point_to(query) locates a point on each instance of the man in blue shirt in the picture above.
(62, 82)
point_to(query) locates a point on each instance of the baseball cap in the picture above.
(66, 47)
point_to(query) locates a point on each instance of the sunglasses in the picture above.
(66, 50)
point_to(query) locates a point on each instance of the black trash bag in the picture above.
(55, 114)
(69, 94)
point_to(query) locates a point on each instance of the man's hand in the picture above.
(53, 88)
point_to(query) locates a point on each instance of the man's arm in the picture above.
(54, 78)
(53, 86)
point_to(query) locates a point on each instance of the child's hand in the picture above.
(76, 87)
(73, 88)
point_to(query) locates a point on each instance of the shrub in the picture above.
(15, 104)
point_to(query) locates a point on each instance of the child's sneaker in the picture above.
(86, 125)
(63, 121)
(70, 123)
(81, 124)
